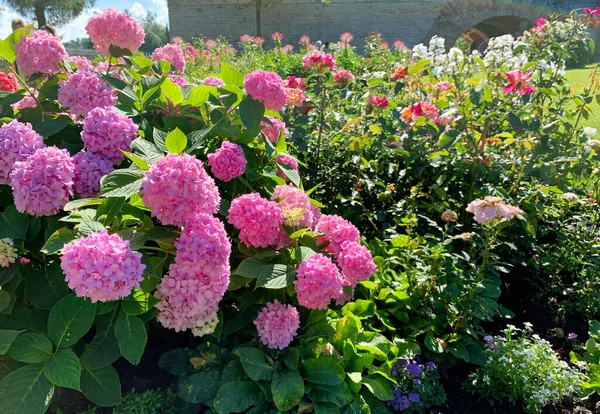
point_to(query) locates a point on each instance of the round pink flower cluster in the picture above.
(111, 69)
(423, 108)
(177, 187)
(266, 87)
(89, 169)
(101, 267)
(356, 262)
(114, 27)
(295, 97)
(40, 53)
(377, 101)
(492, 208)
(228, 162)
(318, 282)
(273, 129)
(179, 81)
(213, 81)
(259, 220)
(81, 62)
(319, 60)
(43, 183)
(286, 160)
(343, 77)
(295, 206)
(442, 86)
(84, 91)
(172, 54)
(106, 132)
(17, 142)
(198, 279)
(277, 325)
(336, 230)
(28, 101)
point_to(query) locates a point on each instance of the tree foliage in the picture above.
(157, 35)
(55, 12)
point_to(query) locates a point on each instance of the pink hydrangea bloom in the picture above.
(228, 162)
(277, 325)
(213, 81)
(377, 101)
(40, 53)
(318, 282)
(177, 187)
(356, 262)
(295, 97)
(273, 130)
(492, 208)
(106, 132)
(84, 91)
(43, 183)
(343, 77)
(114, 27)
(319, 60)
(336, 230)
(294, 82)
(28, 101)
(198, 279)
(17, 142)
(179, 81)
(266, 87)
(81, 62)
(519, 82)
(295, 205)
(286, 160)
(101, 267)
(442, 86)
(211, 44)
(172, 54)
(259, 220)
(89, 169)
(178, 40)
(111, 69)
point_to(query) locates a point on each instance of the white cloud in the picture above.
(76, 28)
(137, 11)
(161, 10)
(6, 18)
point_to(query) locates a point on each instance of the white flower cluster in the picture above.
(501, 51)
(8, 253)
(442, 63)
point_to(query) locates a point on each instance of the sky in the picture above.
(76, 28)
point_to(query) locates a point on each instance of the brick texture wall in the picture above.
(412, 21)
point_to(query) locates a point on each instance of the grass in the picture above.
(579, 79)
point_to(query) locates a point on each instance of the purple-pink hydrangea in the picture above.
(114, 27)
(179, 80)
(17, 142)
(356, 262)
(228, 162)
(285, 160)
(40, 53)
(106, 132)
(89, 169)
(259, 220)
(273, 129)
(295, 206)
(196, 282)
(83, 91)
(336, 230)
(43, 182)
(266, 87)
(277, 325)
(172, 54)
(213, 81)
(101, 266)
(177, 187)
(81, 62)
(318, 282)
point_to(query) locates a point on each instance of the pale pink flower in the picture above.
(17, 142)
(213, 81)
(286, 160)
(277, 325)
(259, 220)
(114, 27)
(274, 129)
(343, 77)
(40, 53)
(319, 60)
(318, 281)
(336, 230)
(172, 54)
(84, 91)
(492, 208)
(266, 87)
(228, 162)
(295, 97)
(356, 262)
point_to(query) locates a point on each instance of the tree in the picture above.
(79, 43)
(157, 35)
(55, 12)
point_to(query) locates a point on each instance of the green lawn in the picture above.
(579, 78)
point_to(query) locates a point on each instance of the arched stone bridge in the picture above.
(412, 21)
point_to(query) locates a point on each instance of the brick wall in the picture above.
(412, 21)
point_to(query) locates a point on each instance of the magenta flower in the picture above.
(286, 160)
(43, 182)
(273, 130)
(17, 142)
(40, 53)
(177, 187)
(213, 81)
(101, 267)
(336, 230)
(356, 262)
(228, 162)
(319, 60)
(519, 82)
(172, 54)
(343, 77)
(179, 80)
(258, 220)
(106, 132)
(89, 169)
(277, 37)
(266, 87)
(318, 282)
(84, 91)
(377, 101)
(277, 325)
(114, 27)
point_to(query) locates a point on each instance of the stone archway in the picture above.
(459, 16)
(478, 36)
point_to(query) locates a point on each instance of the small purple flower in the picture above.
(431, 365)
(489, 341)
(417, 382)
(572, 335)
(414, 397)
(414, 370)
